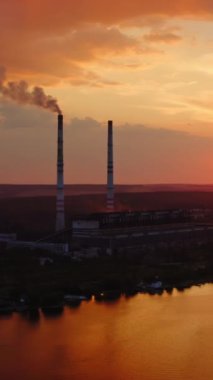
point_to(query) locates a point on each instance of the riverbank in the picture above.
(28, 275)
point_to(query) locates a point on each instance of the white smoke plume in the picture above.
(21, 93)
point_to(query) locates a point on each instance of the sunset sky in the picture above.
(148, 65)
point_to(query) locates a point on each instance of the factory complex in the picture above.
(116, 232)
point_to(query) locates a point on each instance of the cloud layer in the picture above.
(147, 63)
(50, 40)
(52, 15)
(142, 155)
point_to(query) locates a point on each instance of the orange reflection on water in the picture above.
(165, 337)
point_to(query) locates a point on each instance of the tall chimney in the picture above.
(110, 184)
(60, 221)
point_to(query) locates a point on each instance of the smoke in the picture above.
(21, 93)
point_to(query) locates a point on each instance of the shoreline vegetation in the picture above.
(26, 285)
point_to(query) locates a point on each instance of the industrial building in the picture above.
(129, 231)
(116, 231)
(111, 231)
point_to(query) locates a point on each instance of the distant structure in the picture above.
(141, 231)
(60, 219)
(110, 181)
(57, 248)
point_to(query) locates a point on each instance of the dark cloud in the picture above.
(12, 116)
(142, 154)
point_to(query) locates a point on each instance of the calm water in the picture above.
(167, 337)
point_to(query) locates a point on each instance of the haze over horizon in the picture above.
(146, 66)
(187, 193)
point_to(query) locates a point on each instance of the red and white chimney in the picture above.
(110, 182)
(60, 219)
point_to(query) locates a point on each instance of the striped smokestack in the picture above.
(110, 184)
(60, 221)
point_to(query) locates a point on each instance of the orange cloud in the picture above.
(203, 103)
(51, 58)
(47, 41)
(50, 40)
(62, 56)
(162, 37)
(54, 15)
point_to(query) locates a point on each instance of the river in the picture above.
(168, 337)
